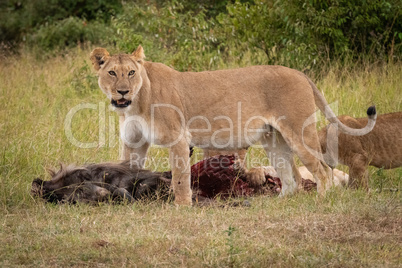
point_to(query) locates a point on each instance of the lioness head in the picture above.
(119, 75)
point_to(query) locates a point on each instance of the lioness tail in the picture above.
(330, 115)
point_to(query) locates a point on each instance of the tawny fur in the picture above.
(382, 147)
(224, 109)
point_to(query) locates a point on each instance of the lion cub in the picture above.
(382, 147)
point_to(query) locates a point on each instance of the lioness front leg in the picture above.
(133, 145)
(181, 177)
(137, 156)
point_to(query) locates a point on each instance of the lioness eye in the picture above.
(112, 73)
(131, 73)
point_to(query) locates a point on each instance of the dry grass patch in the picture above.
(346, 229)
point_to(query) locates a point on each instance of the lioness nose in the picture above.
(122, 92)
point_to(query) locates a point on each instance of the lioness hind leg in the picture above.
(322, 174)
(304, 142)
(281, 158)
(181, 181)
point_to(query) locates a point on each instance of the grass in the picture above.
(346, 229)
(349, 229)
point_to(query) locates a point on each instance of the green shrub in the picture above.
(187, 37)
(198, 35)
(266, 26)
(22, 18)
(83, 79)
(67, 33)
(358, 27)
(299, 33)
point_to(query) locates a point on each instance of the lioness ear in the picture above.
(138, 54)
(98, 57)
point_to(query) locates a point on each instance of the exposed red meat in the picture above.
(220, 176)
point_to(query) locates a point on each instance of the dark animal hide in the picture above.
(221, 176)
(99, 182)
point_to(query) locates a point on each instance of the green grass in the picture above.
(346, 229)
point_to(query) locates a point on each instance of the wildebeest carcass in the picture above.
(215, 176)
(99, 182)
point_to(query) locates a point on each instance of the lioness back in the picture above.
(222, 89)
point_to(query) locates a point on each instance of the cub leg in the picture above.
(181, 179)
(358, 171)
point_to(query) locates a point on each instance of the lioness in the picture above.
(225, 109)
(382, 147)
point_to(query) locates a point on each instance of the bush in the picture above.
(266, 26)
(298, 33)
(23, 18)
(198, 35)
(185, 39)
(358, 27)
(67, 33)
